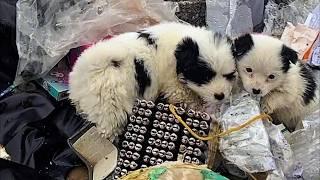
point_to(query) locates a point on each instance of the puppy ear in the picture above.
(242, 45)
(288, 55)
(186, 53)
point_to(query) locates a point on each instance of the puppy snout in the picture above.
(256, 91)
(219, 96)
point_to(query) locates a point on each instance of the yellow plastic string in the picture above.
(227, 132)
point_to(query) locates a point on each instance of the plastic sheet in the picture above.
(234, 17)
(47, 30)
(278, 14)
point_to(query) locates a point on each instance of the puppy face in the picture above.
(263, 62)
(207, 67)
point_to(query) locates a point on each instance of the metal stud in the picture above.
(164, 116)
(141, 111)
(132, 118)
(173, 137)
(137, 102)
(131, 145)
(150, 104)
(169, 155)
(194, 130)
(145, 121)
(155, 151)
(143, 103)
(169, 126)
(199, 143)
(153, 132)
(146, 158)
(171, 146)
(116, 177)
(195, 123)
(127, 135)
(134, 110)
(171, 118)
(187, 159)
(185, 131)
(192, 141)
(160, 134)
(162, 153)
(149, 149)
(130, 127)
(123, 172)
(162, 125)
(175, 128)
(182, 149)
(138, 147)
(122, 153)
(180, 111)
(136, 128)
(159, 161)
(143, 166)
(156, 123)
(135, 156)
(164, 144)
(184, 139)
(143, 130)
(195, 161)
(153, 161)
(133, 165)
(204, 125)
(158, 115)
(117, 170)
(125, 144)
(126, 163)
(140, 138)
(166, 107)
(120, 162)
(151, 141)
(189, 121)
(190, 113)
(157, 143)
(139, 120)
(197, 114)
(205, 116)
(129, 154)
(166, 135)
(197, 152)
(189, 150)
(202, 133)
(148, 113)
(160, 106)
(134, 137)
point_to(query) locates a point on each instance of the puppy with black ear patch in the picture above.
(183, 63)
(270, 69)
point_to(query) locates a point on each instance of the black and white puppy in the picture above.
(272, 70)
(184, 63)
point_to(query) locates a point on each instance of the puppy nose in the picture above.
(219, 96)
(256, 91)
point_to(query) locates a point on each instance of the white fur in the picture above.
(282, 96)
(106, 93)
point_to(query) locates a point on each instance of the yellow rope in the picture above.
(230, 130)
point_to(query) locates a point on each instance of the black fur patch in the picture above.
(242, 45)
(142, 77)
(115, 63)
(311, 86)
(230, 76)
(288, 55)
(148, 38)
(190, 65)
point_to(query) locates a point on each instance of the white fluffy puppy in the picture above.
(181, 62)
(272, 70)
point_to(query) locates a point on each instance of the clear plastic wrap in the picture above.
(234, 17)
(278, 14)
(47, 30)
(261, 147)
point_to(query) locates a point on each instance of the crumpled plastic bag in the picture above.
(47, 30)
(234, 17)
(305, 144)
(261, 147)
(278, 14)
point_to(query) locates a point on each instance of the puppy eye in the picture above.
(249, 70)
(271, 76)
(230, 76)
